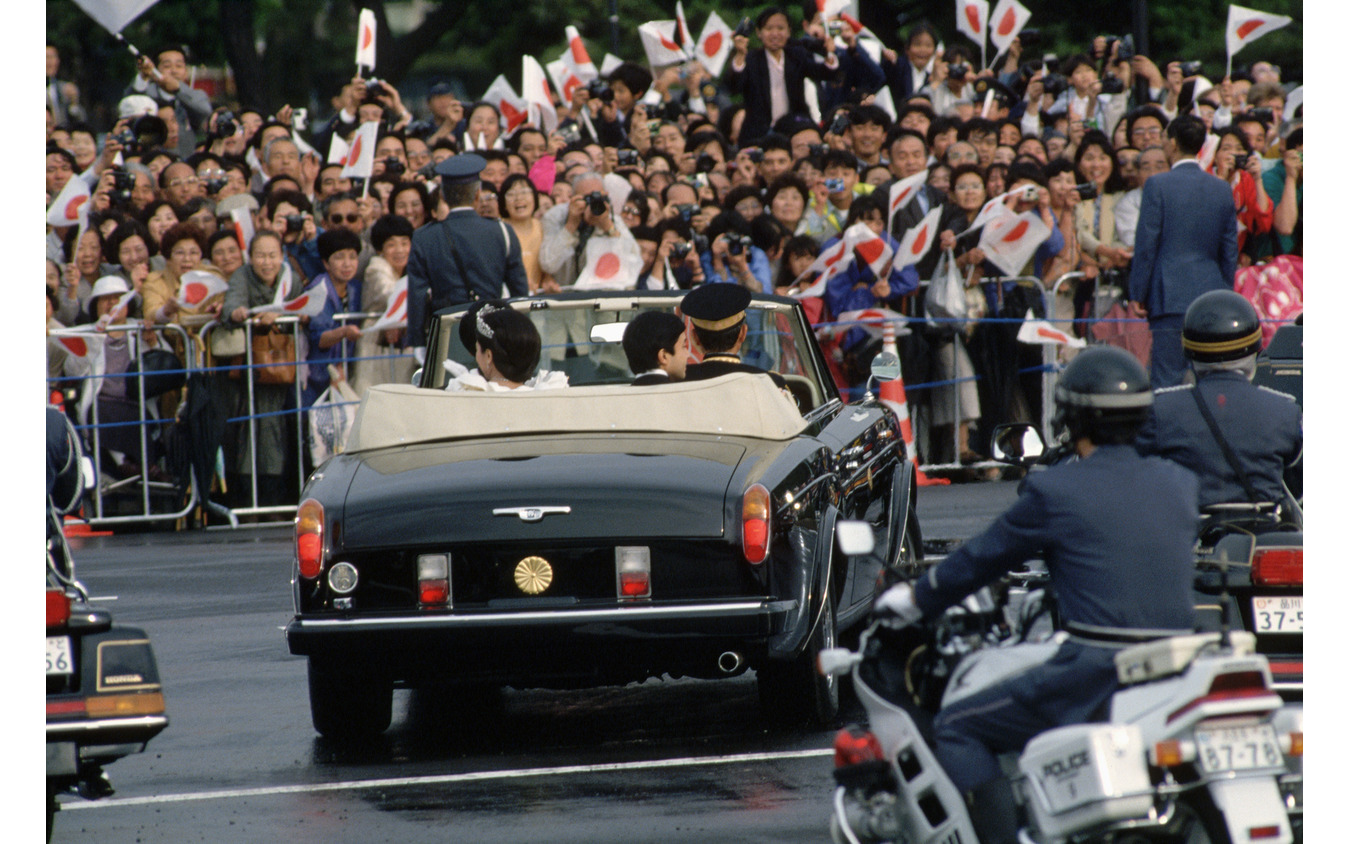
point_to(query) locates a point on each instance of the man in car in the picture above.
(656, 347)
(717, 312)
(1116, 530)
(1239, 438)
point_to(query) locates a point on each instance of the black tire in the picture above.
(795, 693)
(348, 706)
(51, 808)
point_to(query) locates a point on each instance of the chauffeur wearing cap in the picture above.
(462, 258)
(717, 312)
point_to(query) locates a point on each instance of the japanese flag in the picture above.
(71, 206)
(885, 101)
(1207, 150)
(310, 303)
(873, 321)
(365, 40)
(812, 96)
(714, 44)
(534, 85)
(513, 108)
(198, 286)
(992, 209)
(1008, 18)
(337, 150)
(612, 263)
(608, 63)
(869, 248)
(564, 80)
(918, 240)
(658, 40)
(82, 347)
(971, 18)
(1039, 331)
(1246, 25)
(576, 58)
(829, 262)
(118, 312)
(682, 34)
(360, 159)
(396, 315)
(831, 9)
(1010, 240)
(902, 193)
(242, 221)
(867, 40)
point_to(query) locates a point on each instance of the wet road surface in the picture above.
(665, 760)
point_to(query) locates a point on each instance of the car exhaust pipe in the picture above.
(730, 663)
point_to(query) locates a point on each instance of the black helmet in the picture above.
(1104, 395)
(1220, 325)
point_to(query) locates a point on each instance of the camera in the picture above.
(1028, 69)
(958, 71)
(570, 133)
(294, 222)
(1054, 84)
(599, 89)
(686, 211)
(1240, 161)
(394, 167)
(214, 180)
(817, 149)
(755, 154)
(420, 128)
(1125, 51)
(834, 185)
(628, 157)
(737, 244)
(840, 124)
(126, 138)
(124, 182)
(834, 28)
(1190, 69)
(1029, 37)
(1031, 193)
(1264, 115)
(1051, 62)
(653, 126)
(704, 163)
(700, 242)
(1112, 84)
(428, 172)
(679, 250)
(226, 124)
(743, 28)
(1086, 191)
(300, 119)
(597, 203)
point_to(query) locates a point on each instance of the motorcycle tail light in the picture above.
(1277, 567)
(1234, 685)
(633, 569)
(309, 538)
(755, 534)
(58, 608)
(1256, 833)
(854, 745)
(1171, 753)
(1295, 741)
(433, 580)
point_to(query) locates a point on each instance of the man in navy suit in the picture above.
(1185, 245)
(463, 257)
(771, 78)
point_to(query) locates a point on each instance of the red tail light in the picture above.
(309, 538)
(755, 516)
(1234, 685)
(1277, 567)
(854, 745)
(58, 608)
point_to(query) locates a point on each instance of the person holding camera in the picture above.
(1236, 165)
(165, 81)
(1095, 164)
(289, 214)
(732, 257)
(771, 77)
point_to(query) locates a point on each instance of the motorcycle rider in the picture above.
(1261, 428)
(1116, 531)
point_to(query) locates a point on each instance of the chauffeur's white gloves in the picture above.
(899, 601)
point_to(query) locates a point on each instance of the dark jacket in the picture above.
(753, 84)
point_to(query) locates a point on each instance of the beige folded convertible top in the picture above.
(738, 405)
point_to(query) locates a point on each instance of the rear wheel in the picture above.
(795, 692)
(345, 706)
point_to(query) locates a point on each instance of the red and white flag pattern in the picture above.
(396, 315)
(576, 58)
(871, 320)
(682, 35)
(242, 221)
(612, 263)
(1207, 151)
(365, 40)
(118, 312)
(902, 193)
(71, 206)
(991, 209)
(198, 286)
(512, 107)
(1010, 240)
(658, 40)
(872, 249)
(310, 303)
(1246, 25)
(539, 97)
(1039, 331)
(827, 263)
(564, 80)
(337, 150)
(1006, 21)
(82, 345)
(360, 159)
(918, 240)
(714, 44)
(972, 18)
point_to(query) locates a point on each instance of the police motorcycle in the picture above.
(104, 698)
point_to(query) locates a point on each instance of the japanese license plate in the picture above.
(1278, 615)
(1237, 748)
(58, 655)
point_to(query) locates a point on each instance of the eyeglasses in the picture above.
(338, 218)
(185, 253)
(178, 183)
(1142, 132)
(629, 210)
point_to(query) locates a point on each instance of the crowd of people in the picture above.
(735, 180)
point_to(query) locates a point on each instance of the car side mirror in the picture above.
(855, 538)
(885, 367)
(1018, 443)
(417, 377)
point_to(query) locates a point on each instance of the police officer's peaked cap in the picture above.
(714, 307)
(458, 169)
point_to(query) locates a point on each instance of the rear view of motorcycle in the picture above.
(104, 698)
(1197, 745)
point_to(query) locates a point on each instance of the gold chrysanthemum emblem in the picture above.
(533, 575)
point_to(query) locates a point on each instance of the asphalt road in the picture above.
(660, 761)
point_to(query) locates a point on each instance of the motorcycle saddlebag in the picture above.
(1084, 776)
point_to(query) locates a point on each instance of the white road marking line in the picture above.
(444, 779)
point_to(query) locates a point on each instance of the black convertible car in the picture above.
(597, 534)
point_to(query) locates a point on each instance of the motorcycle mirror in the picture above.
(885, 367)
(416, 379)
(1018, 443)
(854, 538)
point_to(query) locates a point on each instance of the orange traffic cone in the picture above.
(893, 394)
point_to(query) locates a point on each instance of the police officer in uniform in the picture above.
(1116, 530)
(717, 312)
(462, 258)
(1263, 428)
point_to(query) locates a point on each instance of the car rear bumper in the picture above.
(598, 644)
